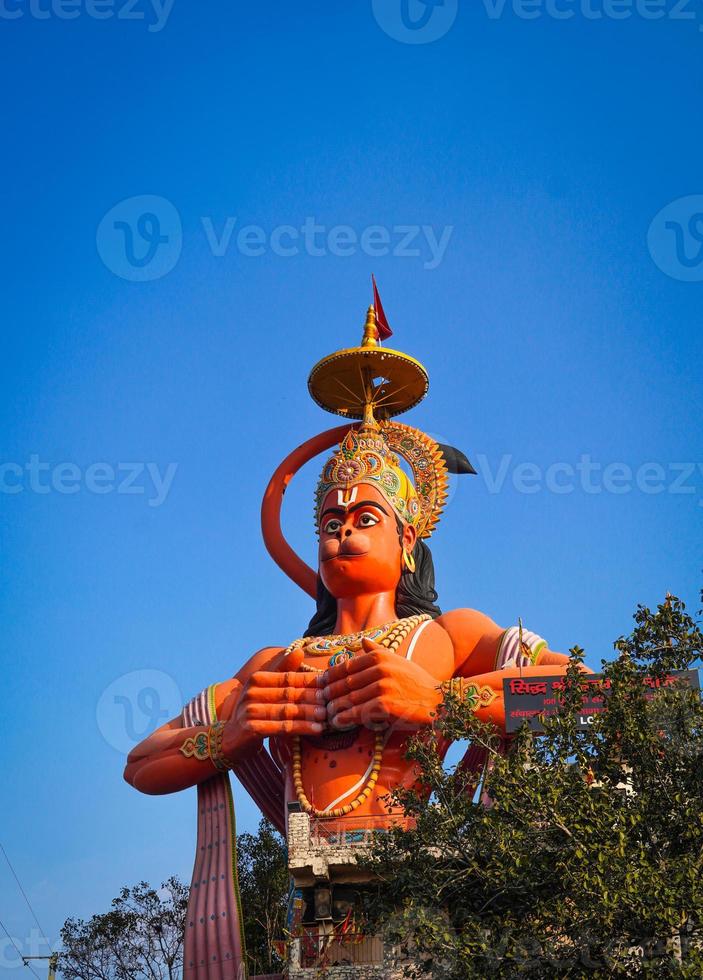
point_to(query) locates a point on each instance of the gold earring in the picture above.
(408, 560)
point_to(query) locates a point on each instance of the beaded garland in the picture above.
(346, 645)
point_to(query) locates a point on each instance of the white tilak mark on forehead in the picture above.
(346, 502)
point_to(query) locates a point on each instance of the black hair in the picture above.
(414, 595)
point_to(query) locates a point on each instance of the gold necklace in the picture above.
(343, 646)
(392, 635)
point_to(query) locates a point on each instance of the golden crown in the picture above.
(371, 455)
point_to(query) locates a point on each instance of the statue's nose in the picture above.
(347, 532)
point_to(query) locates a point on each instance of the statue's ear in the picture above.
(409, 539)
(456, 461)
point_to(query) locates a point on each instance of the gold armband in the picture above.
(464, 690)
(216, 732)
(207, 746)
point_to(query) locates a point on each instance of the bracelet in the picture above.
(463, 690)
(207, 746)
(215, 735)
(196, 747)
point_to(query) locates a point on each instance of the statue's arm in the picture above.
(480, 657)
(157, 764)
(266, 697)
(476, 639)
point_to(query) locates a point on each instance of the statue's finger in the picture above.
(274, 728)
(371, 646)
(297, 695)
(351, 666)
(363, 679)
(288, 678)
(292, 660)
(354, 698)
(286, 712)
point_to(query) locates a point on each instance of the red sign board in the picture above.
(528, 698)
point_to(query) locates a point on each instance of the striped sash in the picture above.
(214, 937)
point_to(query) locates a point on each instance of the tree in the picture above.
(141, 936)
(588, 862)
(263, 881)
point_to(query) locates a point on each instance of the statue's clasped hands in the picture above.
(283, 701)
(374, 688)
(377, 688)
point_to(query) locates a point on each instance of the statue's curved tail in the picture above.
(276, 544)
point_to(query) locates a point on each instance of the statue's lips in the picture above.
(346, 554)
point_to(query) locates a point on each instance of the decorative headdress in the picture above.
(373, 383)
(370, 455)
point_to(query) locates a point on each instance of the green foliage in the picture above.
(588, 862)
(141, 936)
(263, 881)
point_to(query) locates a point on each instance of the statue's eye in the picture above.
(332, 526)
(367, 519)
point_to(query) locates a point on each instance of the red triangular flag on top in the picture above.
(384, 330)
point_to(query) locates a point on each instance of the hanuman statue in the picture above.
(322, 723)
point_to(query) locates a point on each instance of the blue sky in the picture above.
(527, 190)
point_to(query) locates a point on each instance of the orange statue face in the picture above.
(360, 548)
